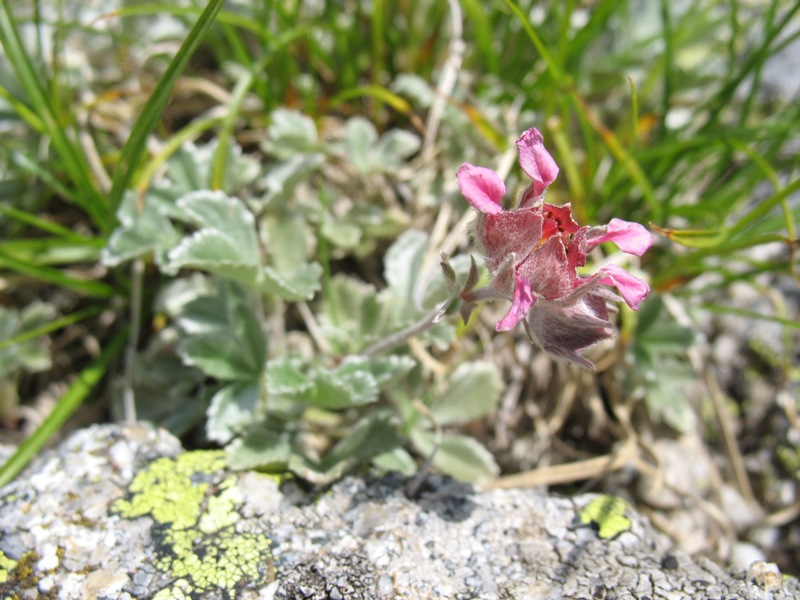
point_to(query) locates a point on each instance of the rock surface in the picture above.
(123, 512)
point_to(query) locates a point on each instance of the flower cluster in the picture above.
(533, 253)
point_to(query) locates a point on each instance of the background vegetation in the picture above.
(222, 218)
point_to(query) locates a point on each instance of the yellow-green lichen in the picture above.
(171, 490)
(179, 590)
(199, 547)
(608, 513)
(19, 574)
(6, 566)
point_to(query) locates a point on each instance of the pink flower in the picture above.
(533, 253)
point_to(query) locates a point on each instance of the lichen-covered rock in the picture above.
(122, 512)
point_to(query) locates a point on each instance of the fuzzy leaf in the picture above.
(143, 228)
(397, 460)
(349, 385)
(402, 265)
(191, 166)
(668, 394)
(372, 155)
(219, 355)
(459, 456)
(287, 238)
(394, 148)
(282, 178)
(372, 435)
(223, 336)
(361, 136)
(232, 408)
(386, 369)
(300, 284)
(286, 379)
(290, 133)
(260, 449)
(340, 232)
(473, 393)
(225, 243)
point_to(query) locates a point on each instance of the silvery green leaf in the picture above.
(232, 408)
(300, 284)
(349, 385)
(340, 232)
(223, 336)
(283, 177)
(372, 155)
(460, 456)
(387, 369)
(397, 460)
(354, 315)
(414, 87)
(394, 148)
(220, 356)
(374, 435)
(32, 355)
(225, 243)
(371, 436)
(402, 266)
(669, 392)
(142, 229)
(473, 392)
(259, 449)
(361, 137)
(176, 293)
(190, 168)
(226, 214)
(242, 169)
(285, 378)
(290, 133)
(286, 235)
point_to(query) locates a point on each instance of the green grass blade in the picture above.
(28, 165)
(42, 224)
(53, 251)
(52, 326)
(224, 16)
(741, 312)
(552, 66)
(135, 146)
(220, 164)
(42, 105)
(56, 277)
(74, 396)
(477, 17)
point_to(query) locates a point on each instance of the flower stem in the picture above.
(424, 324)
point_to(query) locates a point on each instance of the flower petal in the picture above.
(563, 331)
(523, 300)
(482, 188)
(536, 161)
(632, 289)
(631, 238)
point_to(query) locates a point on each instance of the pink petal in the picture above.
(482, 188)
(536, 161)
(563, 331)
(631, 238)
(632, 289)
(523, 300)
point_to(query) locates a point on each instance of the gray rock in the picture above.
(122, 512)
